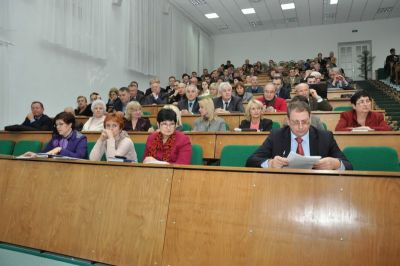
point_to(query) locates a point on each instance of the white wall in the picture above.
(56, 76)
(306, 42)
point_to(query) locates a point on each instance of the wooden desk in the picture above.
(332, 94)
(134, 214)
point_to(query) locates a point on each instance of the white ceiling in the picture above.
(269, 14)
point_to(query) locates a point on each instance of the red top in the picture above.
(181, 152)
(279, 105)
(375, 120)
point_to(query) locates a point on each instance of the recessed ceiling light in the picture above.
(212, 15)
(334, 2)
(248, 11)
(287, 6)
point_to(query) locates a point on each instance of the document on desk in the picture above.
(301, 162)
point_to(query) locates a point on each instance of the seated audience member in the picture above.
(254, 88)
(214, 90)
(167, 145)
(179, 94)
(337, 80)
(113, 141)
(332, 59)
(134, 93)
(254, 120)
(208, 120)
(282, 91)
(112, 100)
(171, 84)
(124, 98)
(315, 120)
(94, 96)
(270, 101)
(66, 141)
(293, 78)
(241, 93)
(71, 110)
(204, 88)
(96, 122)
(186, 78)
(178, 126)
(361, 117)
(156, 96)
(301, 138)
(315, 101)
(34, 121)
(190, 105)
(83, 107)
(227, 103)
(134, 120)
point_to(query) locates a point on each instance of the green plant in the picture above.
(365, 60)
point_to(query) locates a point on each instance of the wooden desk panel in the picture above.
(100, 212)
(228, 218)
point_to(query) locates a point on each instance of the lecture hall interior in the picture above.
(224, 181)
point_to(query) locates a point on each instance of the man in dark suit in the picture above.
(301, 138)
(227, 103)
(316, 102)
(282, 90)
(35, 120)
(190, 104)
(156, 96)
(134, 92)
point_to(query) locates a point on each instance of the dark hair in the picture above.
(392, 50)
(278, 77)
(300, 106)
(68, 118)
(166, 115)
(185, 75)
(94, 93)
(134, 83)
(358, 95)
(37, 102)
(124, 89)
(299, 98)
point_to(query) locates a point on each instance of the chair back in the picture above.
(139, 148)
(275, 124)
(236, 155)
(369, 158)
(6, 147)
(343, 108)
(197, 155)
(186, 127)
(23, 146)
(89, 148)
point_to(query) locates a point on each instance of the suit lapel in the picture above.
(286, 142)
(314, 144)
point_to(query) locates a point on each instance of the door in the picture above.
(348, 58)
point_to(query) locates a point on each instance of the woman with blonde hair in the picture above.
(254, 120)
(208, 120)
(134, 120)
(113, 141)
(213, 89)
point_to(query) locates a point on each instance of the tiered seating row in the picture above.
(212, 143)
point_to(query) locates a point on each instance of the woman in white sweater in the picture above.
(114, 141)
(96, 122)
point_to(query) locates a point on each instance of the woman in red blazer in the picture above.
(361, 117)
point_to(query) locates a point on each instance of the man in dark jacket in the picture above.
(34, 121)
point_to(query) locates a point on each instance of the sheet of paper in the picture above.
(301, 162)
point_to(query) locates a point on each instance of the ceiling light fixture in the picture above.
(247, 11)
(287, 6)
(334, 2)
(211, 15)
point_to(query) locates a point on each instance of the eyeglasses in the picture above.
(363, 102)
(109, 126)
(166, 124)
(297, 123)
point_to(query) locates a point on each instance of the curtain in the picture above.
(77, 25)
(144, 43)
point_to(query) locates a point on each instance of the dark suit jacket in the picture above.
(184, 104)
(235, 106)
(44, 123)
(284, 92)
(322, 144)
(265, 124)
(139, 97)
(149, 99)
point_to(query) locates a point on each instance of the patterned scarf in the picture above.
(159, 145)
